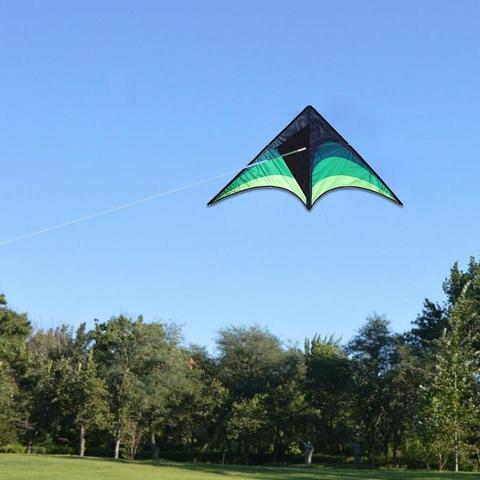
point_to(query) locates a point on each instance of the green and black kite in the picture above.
(307, 158)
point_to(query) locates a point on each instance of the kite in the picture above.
(307, 158)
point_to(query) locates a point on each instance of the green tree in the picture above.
(403, 401)
(143, 368)
(288, 412)
(115, 351)
(449, 415)
(247, 426)
(15, 328)
(45, 385)
(432, 331)
(8, 406)
(161, 368)
(194, 410)
(371, 352)
(428, 327)
(434, 318)
(253, 363)
(88, 399)
(328, 384)
(250, 360)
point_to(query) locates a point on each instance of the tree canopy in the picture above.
(128, 388)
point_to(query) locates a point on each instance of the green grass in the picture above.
(50, 467)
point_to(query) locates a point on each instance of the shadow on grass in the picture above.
(319, 473)
(290, 472)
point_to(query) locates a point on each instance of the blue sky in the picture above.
(107, 102)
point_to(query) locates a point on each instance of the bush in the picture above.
(13, 448)
(39, 449)
(60, 450)
(331, 459)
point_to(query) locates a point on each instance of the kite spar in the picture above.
(308, 158)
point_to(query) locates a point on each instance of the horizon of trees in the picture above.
(128, 388)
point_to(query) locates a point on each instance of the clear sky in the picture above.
(106, 102)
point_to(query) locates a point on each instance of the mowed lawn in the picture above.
(49, 467)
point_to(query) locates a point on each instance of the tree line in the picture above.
(128, 388)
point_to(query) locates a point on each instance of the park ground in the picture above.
(49, 467)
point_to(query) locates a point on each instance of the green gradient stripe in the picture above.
(279, 181)
(268, 174)
(342, 169)
(336, 181)
(334, 149)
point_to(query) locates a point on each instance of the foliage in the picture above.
(328, 385)
(8, 410)
(450, 414)
(133, 389)
(371, 351)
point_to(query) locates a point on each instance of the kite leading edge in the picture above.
(307, 158)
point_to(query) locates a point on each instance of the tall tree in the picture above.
(434, 318)
(161, 368)
(428, 327)
(194, 410)
(8, 406)
(115, 352)
(288, 412)
(247, 426)
(328, 384)
(14, 330)
(87, 395)
(403, 401)
(449, 415)
(46, 381)
(371, 352)
(249, 359)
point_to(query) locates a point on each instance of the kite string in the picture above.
(136, 202)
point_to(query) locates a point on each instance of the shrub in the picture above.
(13, 448)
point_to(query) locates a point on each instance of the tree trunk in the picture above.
(357, 452)
(153, 445)
(117, 445)
(82, 441)
(440, 462)
(117, 449)
(244, 453)
(191, 446)
(372, 455)
(308, 453)
(395, 440)
(456, 451)
(275, 447)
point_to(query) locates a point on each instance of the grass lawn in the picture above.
(50, 467)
